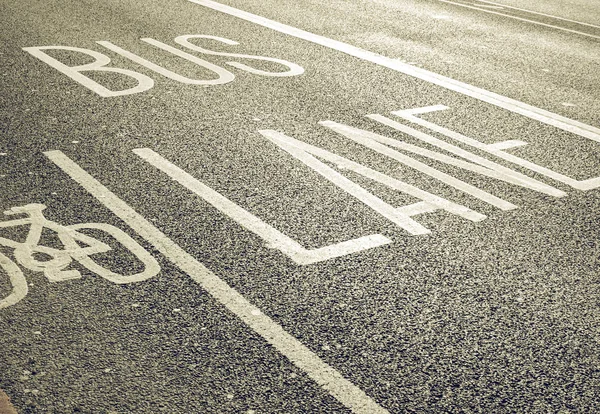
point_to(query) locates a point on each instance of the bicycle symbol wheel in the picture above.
(92, 252)
(151, 266)
(17, 283)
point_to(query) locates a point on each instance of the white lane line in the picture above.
(489, 6)
(327, 377)
(510, 104)
(273, 237)
(564, 29)
(538, 13)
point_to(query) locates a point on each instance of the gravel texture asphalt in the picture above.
(498, 315)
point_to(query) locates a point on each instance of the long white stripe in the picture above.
(538, 13)
(564, 29)
(326, 376)
(510, 104)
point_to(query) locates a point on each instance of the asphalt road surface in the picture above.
(362, 206)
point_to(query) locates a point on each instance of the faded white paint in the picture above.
(538, 13)
(293, 69)
(72, 240)
(485, 9)
(223, 75)
(376, 142)
(18, 284)
(478, 164)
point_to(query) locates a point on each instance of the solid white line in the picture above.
(491, 7)
(510, 104)
(538, 13)
(564, 29)
(326, 376)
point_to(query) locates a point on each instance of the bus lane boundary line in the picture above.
(510, 104)
(318, 370)
(505, 6)
(522, 19)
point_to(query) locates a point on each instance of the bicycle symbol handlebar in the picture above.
(72, 241)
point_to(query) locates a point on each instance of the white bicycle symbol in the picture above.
(59, 259)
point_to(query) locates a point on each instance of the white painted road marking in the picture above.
(293, 69)
(538, 13)
(522, 19)
(494, 149)
(488, 6)
(224, 76)
(326, 376)
(145, 82)
(75, 246)
(274, 238)
(307, 153)
(479, 164)
(99, 64)
(17, 282)
(510, 104)
(380, 144)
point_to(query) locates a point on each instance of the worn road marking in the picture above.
(99, 64)
(488, 6)
(293, 69)
(224, 76)
(538, 13)
(17, 281)
(492, 98)
(326, 376)
(380, 144)
(479, 164)
(274, 238)
(5, 406)
(75, 246)
(522, 19)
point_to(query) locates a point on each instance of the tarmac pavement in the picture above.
(266, 207)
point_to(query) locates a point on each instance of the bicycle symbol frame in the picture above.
(70, 237)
